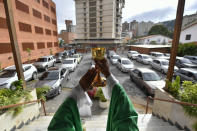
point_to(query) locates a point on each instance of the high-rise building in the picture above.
(98, 21)
(125, 26)
(36, 29)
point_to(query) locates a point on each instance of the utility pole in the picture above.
(176, 37)
(13, 39)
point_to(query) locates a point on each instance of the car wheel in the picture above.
(59, 89)
(46, 68)
(34, 76)
(54, 64)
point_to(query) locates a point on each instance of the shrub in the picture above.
(187, 49)
(41, 92)
(174, 87)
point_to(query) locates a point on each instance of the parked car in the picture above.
(110, 53)
(124, 64)
(187, 74)
(45, 62)
(162, 65)
(193, 59)
(114, 59)
(143, 58)
(147, 79)
(78, 57)
(53, 78)
(158, 55)
(70, 64)
(130, 53)
(184, 63)
(60, 56)
(9, 75)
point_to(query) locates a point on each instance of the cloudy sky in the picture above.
(141, 10)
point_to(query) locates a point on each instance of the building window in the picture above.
(92, 3)
(5, 48)
(26, 45)
(45, 4)
(101, 7)
(92, 34)
(101, 18)
(85, 35)
(85, 30)
(84, 14)
(54, 33)
(47, 18)
(101, 1)
(84, 3)
(101, 23)
(101, 29)
(22, 7)
(101, 12)
(85, 25)
(38, 30)
(37, 14)
(24, 27)
(49, 44)
(100, 35)
(40, 45)
(92, 19)
(84, 19)
(54, 22)
(188, 37)
(55, 44)
(53, 10)
(92, 9)
(47, 32)
(84, 9)
(3, 23)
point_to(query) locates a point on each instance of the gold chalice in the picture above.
(98, 53)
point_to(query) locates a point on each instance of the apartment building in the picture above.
(36, 29)
(98, 21)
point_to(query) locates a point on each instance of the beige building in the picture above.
(98, 21)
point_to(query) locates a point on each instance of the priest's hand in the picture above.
(103, 66)
(86, 81)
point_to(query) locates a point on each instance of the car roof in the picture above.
(156, 52)
(13, 67)
(143, 54)
(47, 56)
(70, 59)
(161, 59)
(115, 55)
(189, 70)
(143, 70)
(124, 59)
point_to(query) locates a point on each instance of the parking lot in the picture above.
(136, 95)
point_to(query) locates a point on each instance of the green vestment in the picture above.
(122, 116)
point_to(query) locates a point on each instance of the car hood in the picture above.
(5, 80)
(190, 65)
(156, 84)
(149, 59)
(49, 83)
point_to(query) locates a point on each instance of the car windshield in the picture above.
(74, 56)
(126, 62)
(159, 55)
(165, 63)
(50, 76)
(186, 61)
(7, 73)
(150, 76)
(68, 62)
(146, 57)
(168, 55)
(59, 54)
(42, 60)
(115, 57)
(134, 52)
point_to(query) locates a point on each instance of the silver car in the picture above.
(145, 59)
(146, 79)
(45, 62)
(125, 65)
(53, 78)
(132, 54)
(9, 75)
(162, 65)
(114, 59)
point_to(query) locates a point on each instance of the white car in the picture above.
(70, 64)
(161, 65)
(78, 57)
(114, 59)
(9, 75)
(132, 53)
(143, 58)
(158, 55)
(125, 65)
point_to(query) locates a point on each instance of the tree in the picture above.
(161, 30)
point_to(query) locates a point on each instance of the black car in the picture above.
(184, 63)
(53, 78)
(187, 74)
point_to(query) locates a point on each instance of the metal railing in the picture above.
(25, 103)
(170, 101)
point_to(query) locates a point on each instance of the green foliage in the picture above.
(0, 66)
(187, 49)
(41, 92)
(10, 97)
(174, 87)
(160, 30)
(99, 94)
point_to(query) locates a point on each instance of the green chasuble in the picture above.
(122, 116)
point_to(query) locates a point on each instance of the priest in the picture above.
(122, 115)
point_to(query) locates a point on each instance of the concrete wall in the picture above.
(171, 112)
(189, 31)
(30, 111)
